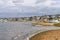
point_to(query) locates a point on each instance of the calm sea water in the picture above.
(11, 29)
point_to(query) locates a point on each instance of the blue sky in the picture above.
(18, 8)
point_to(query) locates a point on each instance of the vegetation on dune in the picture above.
(58, 24)
(42, 23)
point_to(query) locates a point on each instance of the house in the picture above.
(1, 20)
(53, 21)
(38, 18)
(45, 18)
(30, 18)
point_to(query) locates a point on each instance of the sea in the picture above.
(9, 30)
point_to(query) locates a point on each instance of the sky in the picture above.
(21, 8)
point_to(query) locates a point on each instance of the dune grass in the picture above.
(43, 23)
(57, 25)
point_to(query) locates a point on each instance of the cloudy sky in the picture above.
(18, 8)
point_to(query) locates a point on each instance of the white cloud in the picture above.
(10, 3)
(29, 2)
(47, 3)
(1, 2)
(27, 5)
(50, 3)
